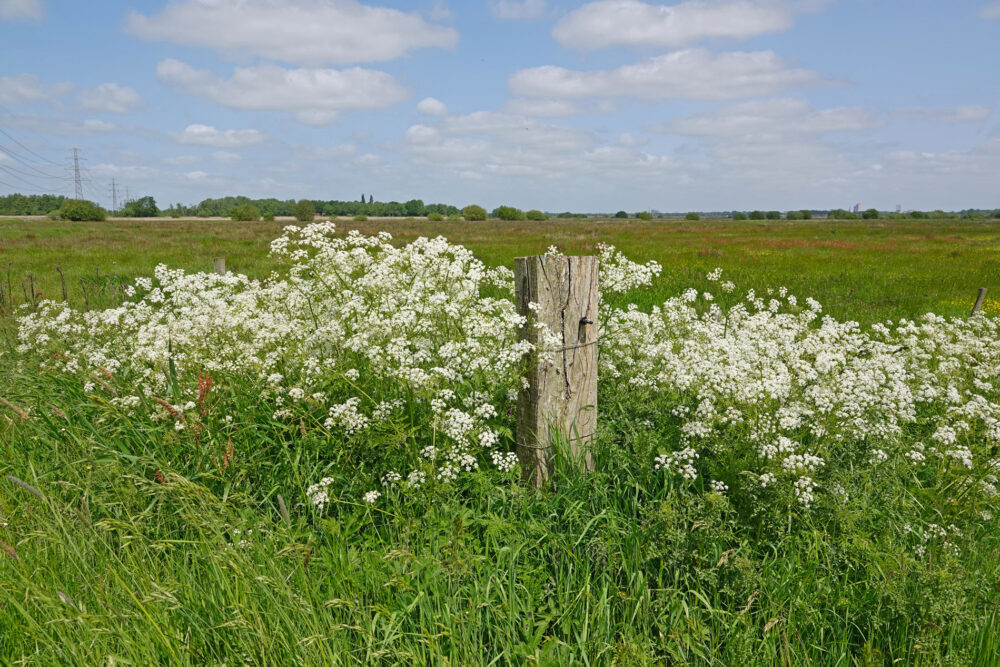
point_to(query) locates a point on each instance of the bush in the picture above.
(793, 215)
(245, 213)
(870, 214)
(621, 214)
(806, 214)
(774, 215)
(739, 215)
(756, 215)
(268, 216)
(144, 207)
(473, 212)
(304, 210)
(455, 217)
(644, 215)
(692, 216)
(535, 214)
(360, 217)
(79, 210)
(508, 213)
(435, 217)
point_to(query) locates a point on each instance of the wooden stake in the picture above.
(560, 401)
(220, 265)
(979, 301)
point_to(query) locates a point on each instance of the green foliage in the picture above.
(535, 214)
(508, 213)
(81, 210)
(473, 212)
(304, 210)
(918, 215)
(793, 215)
(806, 214)
(621, 214)
(644, 215)
(773, 215)
(360, 217)
(454, 217)
(18, 204)
(144, 207)
(870, 214)
(267, 216)
(435, 217)
(414, 207)
(756, 215)
(691, 215)
(739, 215)
(245, 213)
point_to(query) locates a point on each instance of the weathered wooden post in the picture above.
(979, 301)
(560, 401)
(220, 265)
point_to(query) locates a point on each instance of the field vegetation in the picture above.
(310, 459)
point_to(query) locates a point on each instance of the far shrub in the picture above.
(644, 215)
(871, 214)
(793, 215)
(304, 210)
(692, 216)
(435, 217)
(774, 215)
(535, 214)
(360, 217)
(621, 214)
(473, 212)
(268, 216)
(454, 217)
(756, 215)
(245, 213)
(739, 215)
(80, 210)
(508, 213)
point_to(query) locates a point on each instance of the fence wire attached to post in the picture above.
(558, 296)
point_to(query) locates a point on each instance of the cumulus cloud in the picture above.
(990, 11)
(303, 32)
(31, 10)
(206, 135)
(694, 74)
(112, 98)
(27, 89)
(430, 106)
(316, 96)
(610, 23)
(960, 114)
(517, 10)
(781, 116)
(543, 108)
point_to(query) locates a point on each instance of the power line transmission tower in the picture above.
(77, 181)
(114, 196)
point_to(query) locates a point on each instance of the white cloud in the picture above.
(182, 160)
(112, 98)
(609, 23)
(517, 10)
(304, 32)
(27, 89)
(960, 114)
(22, 9)
(315, 95)
(422, 134)
(773, 116)
(64, 126)
(694, 74)
(226, 157)
(196, 175)
(990, 11)
(206, 135)
(543, 108)
(629, 140)
(430, 106)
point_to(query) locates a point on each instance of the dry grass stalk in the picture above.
(9, 550)
(57, 412)
(174, 412)
(27, 487)
(18, 411)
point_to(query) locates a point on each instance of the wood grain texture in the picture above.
(560, 401)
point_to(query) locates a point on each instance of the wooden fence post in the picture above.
(979, 301)
(220, 265)
(560, 401)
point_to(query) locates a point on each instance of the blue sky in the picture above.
(550, 104)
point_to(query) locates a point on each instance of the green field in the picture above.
(159, 468)
(862, 270)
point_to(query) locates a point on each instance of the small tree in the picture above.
(621, 214)
(415, 207)
(793, 215)
(304, 210)
(739, 215)
(144, 207)
(644, 215)
(79, 210)
(535, 214)
(756, 215)
(245, 213)
(774, 215)
(692, 216)
(473, 212)
(508, 213)
(435, 217)
(267, 216)
(871, 214)
(806, 214)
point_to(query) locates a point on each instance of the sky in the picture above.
(705, 105)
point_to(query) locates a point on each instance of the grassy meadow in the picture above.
(149, 516)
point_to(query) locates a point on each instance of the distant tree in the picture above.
(454, 217)
(806, 214)
(473, 212)
(837, 214)
(144, 207)
(756, 215)
(621, 214)
(793, 215)
(644, 215)
(774, 215)
(739, 215)
(870, 214)
(692, 216)
(535, 214)
(304, 210)
(245, 213)
(267, 216)
(435, 217)
(371, 199)
(508, 213)
(362, 197)
(996, 213)
(414, 207)
(79, 210)
(917, 215)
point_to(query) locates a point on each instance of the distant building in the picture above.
(899, 208)
(856, 208)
